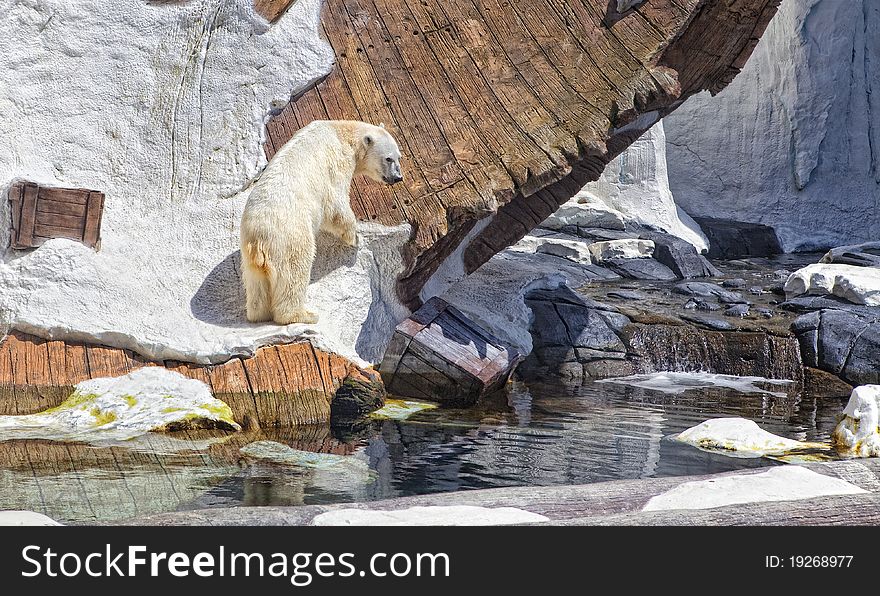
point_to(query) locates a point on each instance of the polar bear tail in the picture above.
(256, 255)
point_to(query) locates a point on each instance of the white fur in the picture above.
(304, 189)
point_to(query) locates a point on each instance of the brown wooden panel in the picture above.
(61, 208)
(94, 212)
(271, 10)
(28, 216)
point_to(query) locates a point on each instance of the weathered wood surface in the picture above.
(41, 213)
(280, 386)
(514, 104)
(616, 502)
(439, 354)
(272, 9)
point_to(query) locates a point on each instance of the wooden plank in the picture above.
(47, 232)
(28, 216)
(64, 195)
(271, 10)
(49, 219)
(61, 208)
(94, 213)
(15, 200)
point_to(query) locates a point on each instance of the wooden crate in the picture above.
(439, 354)
(40, 213)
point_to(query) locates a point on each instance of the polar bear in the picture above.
(304, 189)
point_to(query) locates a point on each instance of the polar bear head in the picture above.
(380, 156)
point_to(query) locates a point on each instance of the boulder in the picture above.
(572, 250)
(845, 342)
(708, 290)
(729, 239)
(680, 256)
(861, 255)
(647, 269)
(577, 213)
(859, 285)
(621, 249)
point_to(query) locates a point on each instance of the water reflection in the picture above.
(542, 434)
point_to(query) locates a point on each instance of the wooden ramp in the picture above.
(281, 386)
(513, 103)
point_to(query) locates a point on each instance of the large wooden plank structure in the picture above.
(440, 354)
(510, 104)
(40, 213)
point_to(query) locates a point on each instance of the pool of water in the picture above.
(538, 434)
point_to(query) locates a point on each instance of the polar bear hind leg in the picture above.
(289, 273)
(256, 284)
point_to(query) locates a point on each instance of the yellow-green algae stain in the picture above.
(401, 409)
(102, 418)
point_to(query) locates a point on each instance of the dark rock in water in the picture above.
(729, 239)
(812, 303)
(765, 312)
(625, 295)
(641, 269)
(845, 342)
(708, 290)
(574, 336)
(361, 392)
(860, 255)
(735, 283)
(710, 322)
(819, 383)
(680, 256)
(737, 310)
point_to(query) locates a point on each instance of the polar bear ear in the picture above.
(382, 125)
(368, 140)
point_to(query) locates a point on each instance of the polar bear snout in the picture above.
(391, 171)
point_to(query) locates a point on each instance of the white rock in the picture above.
(739, 437)
(572, 250)
(793, 141)
(857, 433)
(636, 185)
(579, 213)
(452, 515)
(621, 249)
(111, 409)
(25, 518)
(163, 109)
(859, 285)
(783, 483)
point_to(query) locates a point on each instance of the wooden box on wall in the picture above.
(439, 354)
(40, 213)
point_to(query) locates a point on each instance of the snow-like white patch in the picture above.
(401, 409)
(162, 106)
(451, 515)
(679, 382)
(783, 483)
(859, 285)
(113, 409)
(739, 437)
(25, 518)
(857, 433)
(571, 250)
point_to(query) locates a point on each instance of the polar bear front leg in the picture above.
(288, 281)
(342, 223)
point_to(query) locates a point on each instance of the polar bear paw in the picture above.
(349, 237)
(300, 316)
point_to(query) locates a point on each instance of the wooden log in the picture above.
(281, 386)
(441, 355)
(510, 105)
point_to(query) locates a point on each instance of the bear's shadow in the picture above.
(220, 300)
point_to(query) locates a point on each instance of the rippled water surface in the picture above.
(540, 434)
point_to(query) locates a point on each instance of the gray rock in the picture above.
(845, 342)
(700, 304)
(737, 310)
(680, 256)
(708, 290)
(756, 290)
(765, 312)
(861, 255)
(641, 269)
(735, 283)
(625, 295)
(710, 322)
